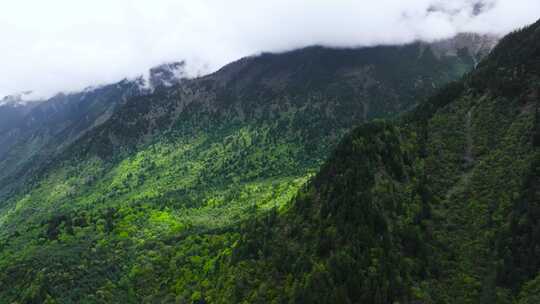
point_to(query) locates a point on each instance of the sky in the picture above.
(67, 45)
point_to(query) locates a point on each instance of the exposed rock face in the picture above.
(167, 74)
(19, 99)
(477, 45)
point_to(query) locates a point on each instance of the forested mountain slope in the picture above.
(38, 134)
(148, 205)
(440, 206)
(34, 132)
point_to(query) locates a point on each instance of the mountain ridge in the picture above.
(176, 177)
(413, 210)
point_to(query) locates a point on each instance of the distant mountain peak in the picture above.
(478, 45)
(163, 75)
(19, 99)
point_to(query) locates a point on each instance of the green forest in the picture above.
(248, 186)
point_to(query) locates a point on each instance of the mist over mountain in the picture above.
(65, 46)
(254, 131)
(284, 152)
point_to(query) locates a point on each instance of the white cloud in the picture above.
(55, 45)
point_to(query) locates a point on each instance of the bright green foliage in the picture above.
(169, 201)
(206, 192)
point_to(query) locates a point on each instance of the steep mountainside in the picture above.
(11, 114)
(39, 133)
(148, 205)
(440, 206)
(34, 132)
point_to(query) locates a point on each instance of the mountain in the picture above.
(19, 99)
(167, 74)
(479, 46)
(11, 114)
(13, 108)
(38, 133)
(33, 132)
(438, 206)
(152, 203)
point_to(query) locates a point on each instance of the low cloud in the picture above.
(65, 45)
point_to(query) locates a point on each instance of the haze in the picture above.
(65, 45)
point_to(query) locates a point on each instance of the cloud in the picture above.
(64, 45)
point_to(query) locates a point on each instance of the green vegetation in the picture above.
(225, 189)
(92, 231)
(440, 206)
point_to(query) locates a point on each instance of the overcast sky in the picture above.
(66, 45)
